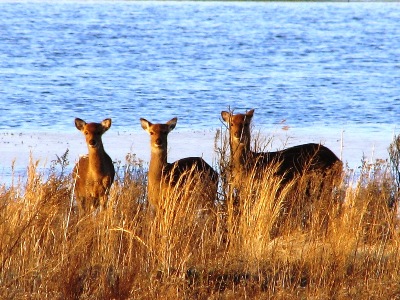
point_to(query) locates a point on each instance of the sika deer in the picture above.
(288, 163)
(94, 173)
(164, 176)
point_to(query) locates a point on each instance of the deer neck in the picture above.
(158, 161)
(97, 160)
(240, 153)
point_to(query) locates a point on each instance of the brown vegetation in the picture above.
(268, 250)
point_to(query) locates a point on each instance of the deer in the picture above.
(164, 176)
(93, 173)
(287, 163)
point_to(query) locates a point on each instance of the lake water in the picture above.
(326, 70)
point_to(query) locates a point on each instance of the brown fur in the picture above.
(94, 173)
(163, 175)
(288, 163)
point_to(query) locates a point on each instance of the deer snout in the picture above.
(158, 142)
(92, 143)
(237, 135)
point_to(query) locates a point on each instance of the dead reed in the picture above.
(305, 240)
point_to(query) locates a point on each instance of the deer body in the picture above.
(289, 163)
(163, 176)
(94, 173)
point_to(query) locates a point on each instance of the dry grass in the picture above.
(300, 242)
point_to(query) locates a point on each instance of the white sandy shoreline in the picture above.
(18, 147)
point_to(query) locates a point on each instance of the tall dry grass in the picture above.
(305, 240)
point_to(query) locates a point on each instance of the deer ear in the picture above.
(250, 113)
(106, 123)
(145, 124)
(172, 123)
(79, 124)
(225, 116)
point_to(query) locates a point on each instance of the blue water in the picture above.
(333, 65)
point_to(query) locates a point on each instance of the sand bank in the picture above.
(18, 147)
